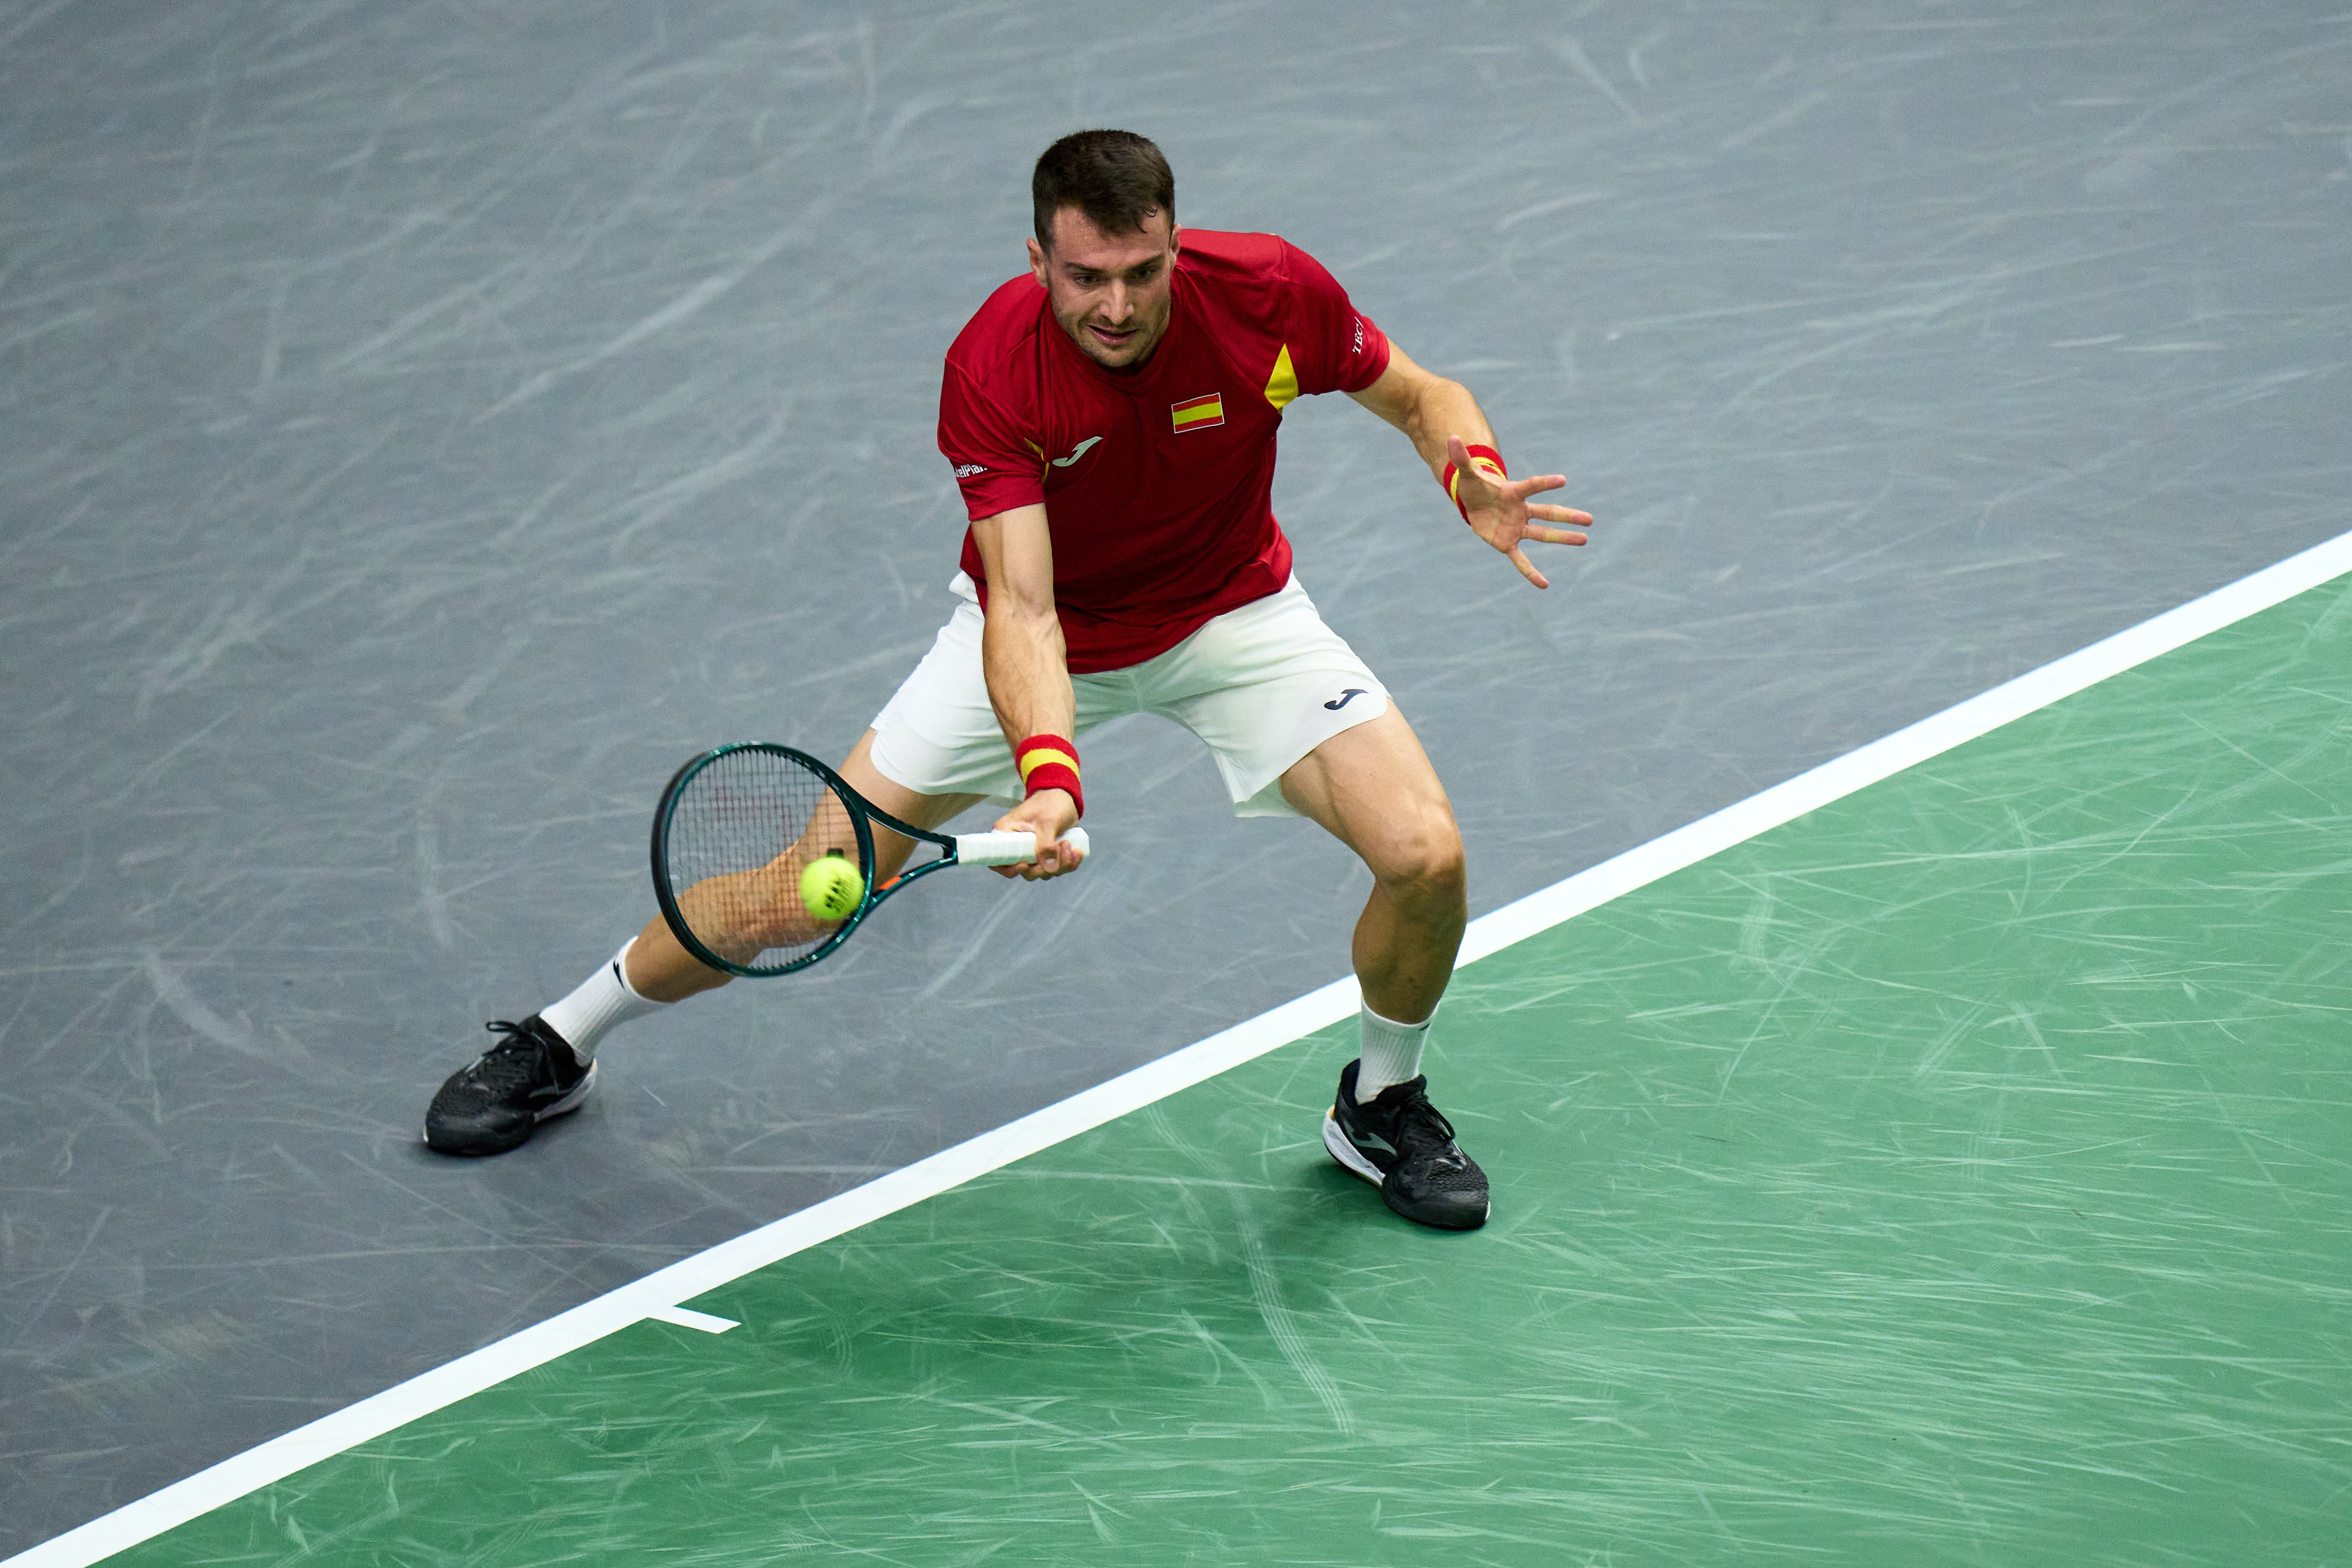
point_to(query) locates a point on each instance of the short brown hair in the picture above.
(1116, 178)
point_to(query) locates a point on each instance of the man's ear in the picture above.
(1037, 260)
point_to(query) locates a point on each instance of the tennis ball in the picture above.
(832, 889)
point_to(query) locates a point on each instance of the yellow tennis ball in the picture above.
(830, 887)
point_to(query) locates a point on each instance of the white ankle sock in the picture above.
(1391, 1054)
(603, 1000)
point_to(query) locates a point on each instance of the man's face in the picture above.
(1109, 292)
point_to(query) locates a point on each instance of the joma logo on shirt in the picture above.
(1199, 413)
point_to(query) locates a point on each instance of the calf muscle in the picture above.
(1374, 789)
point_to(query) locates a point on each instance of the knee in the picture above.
(1424, 865)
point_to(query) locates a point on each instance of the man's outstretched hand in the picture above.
(1501, 514)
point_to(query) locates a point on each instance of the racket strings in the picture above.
(742, 829)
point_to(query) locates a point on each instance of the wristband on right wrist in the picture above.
(1049, 762)
(1488, 461)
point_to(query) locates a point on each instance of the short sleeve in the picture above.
(996, 467)
(1334, 347)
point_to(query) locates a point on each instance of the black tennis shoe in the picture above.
(1401, 1145)
(498, 1102)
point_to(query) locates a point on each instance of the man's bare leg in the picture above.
(1374, 789)
(545, 1066)
(662, 971)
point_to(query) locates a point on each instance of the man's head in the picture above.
(1105, 207)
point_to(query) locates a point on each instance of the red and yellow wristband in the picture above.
(1049, 762)
(1488, 461)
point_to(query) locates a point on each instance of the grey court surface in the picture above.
(423, 425)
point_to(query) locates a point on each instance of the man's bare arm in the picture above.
(1027, 667)
(1443, 421)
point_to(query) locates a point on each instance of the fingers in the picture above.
(1049, 858)
(1045, 817)
(1529, 523)
(1519, 490)
(1509, 537)
(1038, 870)
(1057, 860)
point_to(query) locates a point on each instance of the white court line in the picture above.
(659, 1293)
(688, 1318)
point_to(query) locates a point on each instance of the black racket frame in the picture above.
(862, 814)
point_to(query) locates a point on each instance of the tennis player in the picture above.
(1110, 416)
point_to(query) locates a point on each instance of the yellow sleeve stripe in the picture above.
(1031, 761)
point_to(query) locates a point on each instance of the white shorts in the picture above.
(1263, 684)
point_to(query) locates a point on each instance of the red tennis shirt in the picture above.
(1157, 482)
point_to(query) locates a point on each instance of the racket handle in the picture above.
(1008, 849)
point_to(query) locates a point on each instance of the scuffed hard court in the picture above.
(426, 424)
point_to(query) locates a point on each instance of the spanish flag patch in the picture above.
(1199, 413)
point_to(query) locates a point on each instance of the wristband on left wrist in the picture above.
(1488, 461)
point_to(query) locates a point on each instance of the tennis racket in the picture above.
(739, 824)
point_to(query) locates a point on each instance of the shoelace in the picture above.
(515, 1062)
(1421, 1126)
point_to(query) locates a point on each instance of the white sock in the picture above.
(1391, 1054)
(603, 1000)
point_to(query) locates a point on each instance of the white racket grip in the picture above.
(1008, 849)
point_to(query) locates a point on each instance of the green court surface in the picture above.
(1959, 1173)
